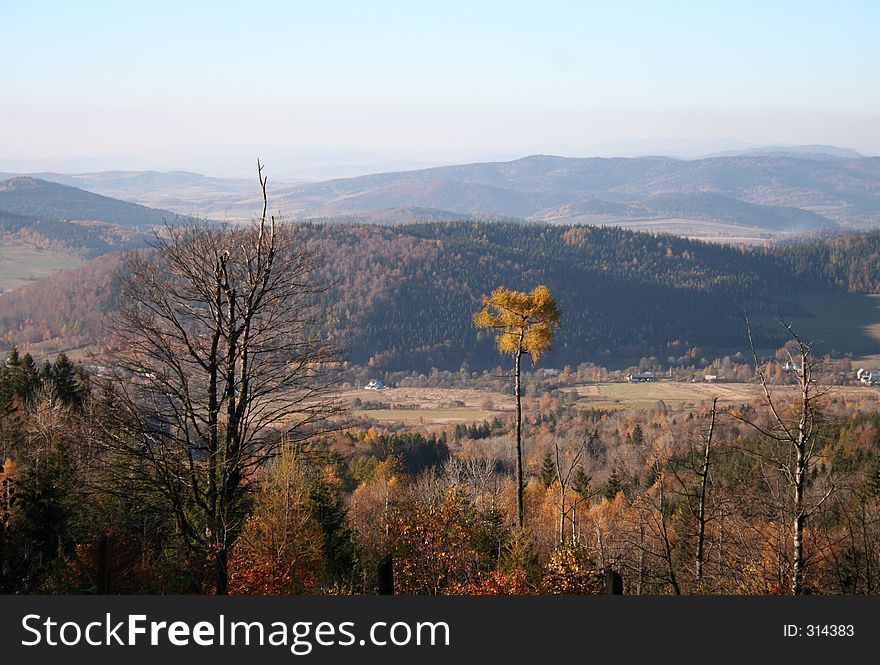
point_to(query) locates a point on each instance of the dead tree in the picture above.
(564, 478)
(704, 483)
(793, 428)
(697, 498)
(215, 354)
(658, 514)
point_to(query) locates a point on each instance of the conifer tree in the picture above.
(581, 483)
(613, 486)
(63, 379)
(636, 437)
(548, 470)
(27, 379)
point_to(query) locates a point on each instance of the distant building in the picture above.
(642, 377)
(791, 367)
(375, 385)
(710, 378)
(870, 377)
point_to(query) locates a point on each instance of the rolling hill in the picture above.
(821, 192)
(182, 192)
(403, 296)
(77, 239)
(404, 292)
(780, 190)
(41, 199)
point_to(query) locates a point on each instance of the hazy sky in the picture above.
(208, 86)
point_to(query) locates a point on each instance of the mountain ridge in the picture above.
(845, 191)
(793, 192)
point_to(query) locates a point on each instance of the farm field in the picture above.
(440, 406)
(647, 395)
(688, 395)
(20, 265)
(695, 229)
(432, 406)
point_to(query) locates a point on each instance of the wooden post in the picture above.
(386, 576)
(101, 573)
(6, 492)
(613, 583)
(2, 546)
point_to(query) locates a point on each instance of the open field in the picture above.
(689, 395)
(440, 406)
(430, 405)
(695, 229)
(647, 395)
(20, 265)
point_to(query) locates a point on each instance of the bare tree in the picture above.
(697, 497)
(703, 475)
(214, 355)
(793, 428)
(565, 477)
(654, 504)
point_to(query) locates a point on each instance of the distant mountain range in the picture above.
(744, 190)
(820, 151)
(775, 189)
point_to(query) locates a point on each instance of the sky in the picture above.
(315, 88)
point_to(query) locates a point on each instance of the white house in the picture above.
(375, 385)
(870, 377)
(643, 377)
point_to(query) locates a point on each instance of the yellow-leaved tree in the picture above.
(524, 323)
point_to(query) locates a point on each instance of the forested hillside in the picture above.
(848, 261)
(85, 239)
(45, 200)
(66, 310)
(403, 297)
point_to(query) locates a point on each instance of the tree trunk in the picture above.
(519, 456)
(561, 513)
(800, 478)
(640, 584)
(869, 578)
(667, 546)
(704, 477)
(221, 566)
(2, 555)
(102, 579)
(797, 573)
